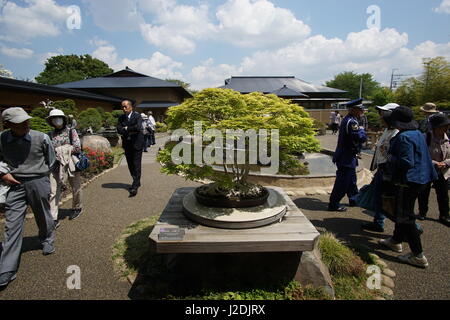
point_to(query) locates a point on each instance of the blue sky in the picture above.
(205, 42)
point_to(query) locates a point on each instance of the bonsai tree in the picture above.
(225, 110)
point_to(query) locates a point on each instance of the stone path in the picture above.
(87, 242)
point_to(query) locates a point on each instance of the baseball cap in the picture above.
(15, 115)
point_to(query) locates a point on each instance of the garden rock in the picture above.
(389, 273)
(96, 143)
(386, 281)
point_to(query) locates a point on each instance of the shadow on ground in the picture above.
(162, 276)
(116, 186)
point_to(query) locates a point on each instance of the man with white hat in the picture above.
(26, 159)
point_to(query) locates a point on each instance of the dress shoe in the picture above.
(445, 221)
(133, 193)
(6, 278)
(372, 227)
(339, 209)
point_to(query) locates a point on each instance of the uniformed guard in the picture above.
(351, 137)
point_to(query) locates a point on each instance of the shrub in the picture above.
(320, 127)
(117, 113)
(109, 120)
(374, 120)
(40, 124)
(99, 161)
(68, 106)
(90, 118)
(161, 127)
(40, 112)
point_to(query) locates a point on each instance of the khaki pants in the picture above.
(55, 195)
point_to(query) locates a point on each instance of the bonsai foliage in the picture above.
(226, 109)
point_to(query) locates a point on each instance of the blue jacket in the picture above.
(351, 136)
(411, 159)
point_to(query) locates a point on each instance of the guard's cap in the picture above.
(355, 104)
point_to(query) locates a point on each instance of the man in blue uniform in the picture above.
(351, 136)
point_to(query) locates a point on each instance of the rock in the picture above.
(29, 216)
(379, 298)
(300, 193)
(321, 192)
(290, 193)
(312, 271)
(388, 282)
(131, 278)
(381, 263)
(387, 291)
(310, 192)
(389, 273)
(96, 143)
(374, 256)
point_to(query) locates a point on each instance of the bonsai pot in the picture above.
(224, 202)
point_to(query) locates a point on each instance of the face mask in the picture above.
(58, 122)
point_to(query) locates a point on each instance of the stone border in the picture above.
(387, 281)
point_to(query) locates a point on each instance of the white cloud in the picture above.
(177, 27)
(23, 53)
(444, 7)
(157, 65)
(41, 18)
(115, 15)
(317, 59)
(258, 23)
(208, 75)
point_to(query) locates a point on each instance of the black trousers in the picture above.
(405, 227)
(134, 161)
(441, 187)
(345, 184)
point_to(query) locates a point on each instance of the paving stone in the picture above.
(387, 291)
(381, 263)
(390, 273)
(388, 282)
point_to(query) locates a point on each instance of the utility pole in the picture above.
(392, 79)
(361, 87)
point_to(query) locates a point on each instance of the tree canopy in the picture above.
(225, 109)
(433, 85)
(68, 68)
(5, 72)
(351, 82)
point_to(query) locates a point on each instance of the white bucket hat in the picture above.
(56, 113)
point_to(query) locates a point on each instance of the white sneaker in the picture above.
(411, 259)
(391, 244)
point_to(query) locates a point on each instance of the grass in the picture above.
(118, 152)
(132, 257)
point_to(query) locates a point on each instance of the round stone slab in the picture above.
(236, 218)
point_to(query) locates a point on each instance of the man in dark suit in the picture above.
(130, 127)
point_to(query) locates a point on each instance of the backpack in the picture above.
(82, 162)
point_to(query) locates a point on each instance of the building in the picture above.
(147, 93)
(317, 100)
(29, 95)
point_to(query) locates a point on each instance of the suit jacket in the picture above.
(132, 136)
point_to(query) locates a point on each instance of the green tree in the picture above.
(432, 86)
(68, 68)
(90, 118)
(40, 124)
(225, 109)
(382, 96)
(351, 82)
(5, 73)
(67, 106)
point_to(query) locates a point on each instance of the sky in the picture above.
(205, 42)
